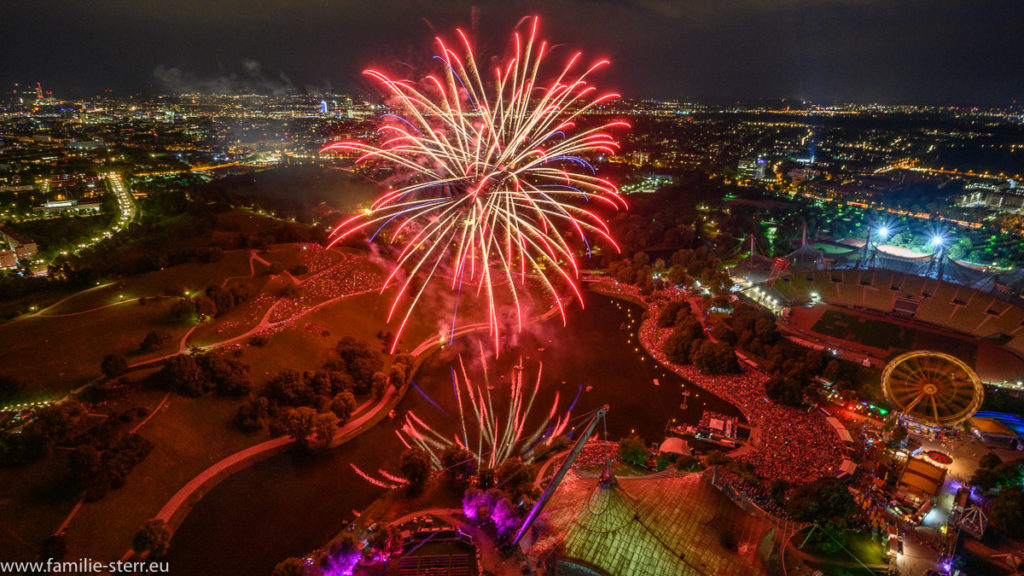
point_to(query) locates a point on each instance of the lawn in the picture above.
(963, 349)
(55, 355)
(62, 349)
(890, 336)
(832, 248)
(176, 279)
(307, 343)
(859, 547)
(189, 435)
(33, 501)
(313, 257)
(242, 317)
(867, 331)
(867, 550)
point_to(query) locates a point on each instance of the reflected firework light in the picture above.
(489, 435)
(494, 176)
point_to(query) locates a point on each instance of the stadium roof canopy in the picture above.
(922, 477)
(654, 526)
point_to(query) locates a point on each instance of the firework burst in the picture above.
(492, 437)
(495, 182)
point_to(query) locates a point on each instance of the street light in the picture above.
(883, 232)
(938, 240)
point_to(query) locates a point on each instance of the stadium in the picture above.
(870, 303)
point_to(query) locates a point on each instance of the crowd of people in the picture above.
(346, 274)
(316, 258)
(327, 274)
(755, 493)
(255, 309)
(792, 444)
(596, 453)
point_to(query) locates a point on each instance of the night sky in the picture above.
(887, 51)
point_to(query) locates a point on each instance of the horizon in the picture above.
(75, 95)
(941, 53)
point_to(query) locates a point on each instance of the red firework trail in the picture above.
(496, 179)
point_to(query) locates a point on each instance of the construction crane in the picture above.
(560, 474)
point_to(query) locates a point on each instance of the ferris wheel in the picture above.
(932, 388)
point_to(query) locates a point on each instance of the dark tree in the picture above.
(633, 450)
(415, 467)
(716, 458)
(361, 360)
(673, 312)
(153, 537)
(715, 358)
(778, 490)
(85, 463)
(182, 374)
(990, 461)
(689, 464)
(55, 424)
(342, 405)
(10, 390)
(832, 371)
(319, 381)
(1008, 510)
(680, 342)
(230, 375)
(340, 555)
(253, 415)
(387, 540)
(290, 567)
(154, 340)
(826, 502)
(724, 333)
(325, 425)
(379, 385)
(514, 477)
(785, 390)
(290, 388)
(984, 478)
(113, 365)
(397, 375)
(485, 479)
(54, 546)
(204, 307)
(181, 309)
(301, 424)
(459, 465)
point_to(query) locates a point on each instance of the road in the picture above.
(126, 209)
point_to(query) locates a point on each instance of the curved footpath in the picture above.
(600, 287)
(762, 436)
(367, 416)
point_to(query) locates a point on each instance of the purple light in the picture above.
(505, 517)
(341, 565)
(471, 503)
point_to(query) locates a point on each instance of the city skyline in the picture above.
(826, 51)
(647, 287)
